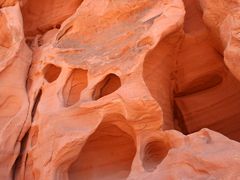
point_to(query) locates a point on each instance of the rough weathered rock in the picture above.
(15, 59)
(94, 89)
(223, 19)
(41, 16)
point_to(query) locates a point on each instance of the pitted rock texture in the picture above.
(119, 89)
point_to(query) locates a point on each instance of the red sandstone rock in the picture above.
(99, 90)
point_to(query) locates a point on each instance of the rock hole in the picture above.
(51, 72)
(154, 153)
(107, 155)
(74, 86)
(58, 26)
(107, 86)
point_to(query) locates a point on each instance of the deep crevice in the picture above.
(36, 102)
(18, 162)
(179, 123)
(63, 33)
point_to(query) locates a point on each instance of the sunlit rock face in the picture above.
(119, 89)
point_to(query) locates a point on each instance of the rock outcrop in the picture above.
(119, 89)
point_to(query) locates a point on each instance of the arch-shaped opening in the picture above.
(153, 154)
(107, 86)
(74, 86)
(51, 72)
(107, 155)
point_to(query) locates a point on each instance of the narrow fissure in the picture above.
(35, 105)
(22, 155)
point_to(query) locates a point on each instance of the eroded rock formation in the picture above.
(119, 89)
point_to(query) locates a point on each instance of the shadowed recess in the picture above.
(107, 155)
(107, 86)
(74, 86)
(51, 72)
(207, 95)
(201, 84)
(41, 16)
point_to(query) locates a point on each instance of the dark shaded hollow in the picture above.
(107, 86)
(107, 155)
(75, 84)
(51, 72)
(204, 93)
(154, 153)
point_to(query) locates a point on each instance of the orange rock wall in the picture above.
(119, 89)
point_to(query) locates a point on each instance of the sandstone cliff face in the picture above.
(119, 89)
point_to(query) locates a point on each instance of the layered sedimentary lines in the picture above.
(91, 89)
(206, 93)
